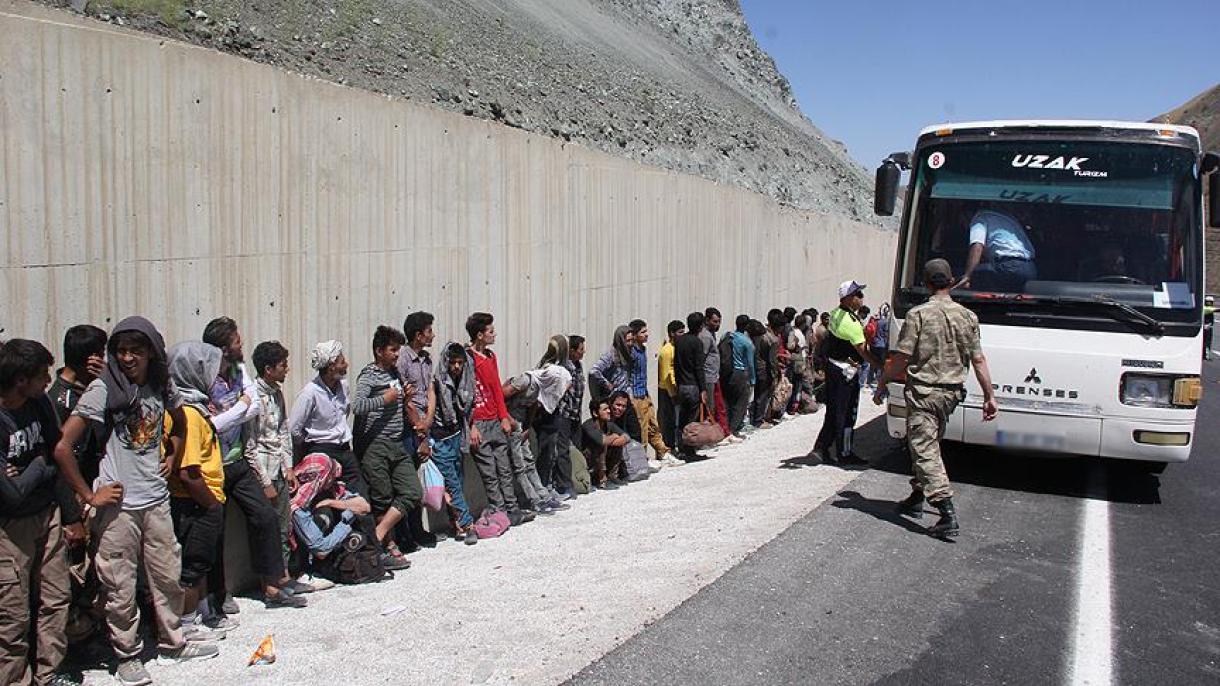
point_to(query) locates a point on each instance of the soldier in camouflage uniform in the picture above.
(937, 346)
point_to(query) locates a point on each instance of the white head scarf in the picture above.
(553, 382)
(324, 354)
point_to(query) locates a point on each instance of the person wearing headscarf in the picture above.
(527, 394)
(131, 494)
(318, 422)
(196, 485)
(548, 425)
(612, 373)
(324, 511)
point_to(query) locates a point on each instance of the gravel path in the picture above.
(541, 603)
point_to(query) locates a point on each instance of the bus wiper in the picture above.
(1110, 306)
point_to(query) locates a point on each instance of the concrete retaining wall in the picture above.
(140, 175)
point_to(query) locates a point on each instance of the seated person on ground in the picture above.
(602, 443)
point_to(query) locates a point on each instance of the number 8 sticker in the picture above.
(936, 160)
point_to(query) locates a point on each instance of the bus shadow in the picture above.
(1040, 473)
(1028, 472)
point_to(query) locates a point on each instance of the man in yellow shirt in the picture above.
(667, 385)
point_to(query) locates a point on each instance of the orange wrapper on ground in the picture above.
(265, 654)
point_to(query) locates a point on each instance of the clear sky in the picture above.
(871, 73)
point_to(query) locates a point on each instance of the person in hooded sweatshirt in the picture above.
(131, 493)
(612, 373)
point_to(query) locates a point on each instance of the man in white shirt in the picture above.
(1009, 254)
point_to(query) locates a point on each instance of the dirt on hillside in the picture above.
(1203, 113)
(679, 84)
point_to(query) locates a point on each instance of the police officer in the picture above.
(844, 349)
(938, 344)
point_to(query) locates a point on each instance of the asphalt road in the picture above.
(853, 594)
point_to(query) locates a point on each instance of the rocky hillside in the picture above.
(1203, 113)
(679, 84)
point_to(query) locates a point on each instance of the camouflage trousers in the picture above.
(928, 410)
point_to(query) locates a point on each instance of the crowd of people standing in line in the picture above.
(130, 454)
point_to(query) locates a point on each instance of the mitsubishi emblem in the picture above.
(1033, 376)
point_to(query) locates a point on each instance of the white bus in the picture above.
(1084, 242)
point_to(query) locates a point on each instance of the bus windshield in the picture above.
(1059, 221)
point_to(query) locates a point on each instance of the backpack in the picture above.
(582, 482)
(870, 330)
(635, 455)
(357, 561)
(491, 525)
(726, 357)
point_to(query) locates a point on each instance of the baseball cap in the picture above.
(849, 288)
(938, 272)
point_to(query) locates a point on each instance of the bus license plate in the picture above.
(1018, 439)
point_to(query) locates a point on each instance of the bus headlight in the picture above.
(1148, 390)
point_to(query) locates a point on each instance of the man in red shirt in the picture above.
(491, 423)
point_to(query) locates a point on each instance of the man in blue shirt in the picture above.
(650, 428)
(741, 379)
(1009, 254)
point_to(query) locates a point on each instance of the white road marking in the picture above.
(1092, 647)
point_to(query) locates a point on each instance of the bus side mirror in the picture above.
(1211, 163)
(885, 189)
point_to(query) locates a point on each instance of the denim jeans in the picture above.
(447, 455)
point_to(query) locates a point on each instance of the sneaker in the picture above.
(194, 632)
(564, 496)
(672, 460)
(132, 673)
(766, 425)
(558, 505)
(655, 466)
(544, 508)
(285, 598)
(393, 563)
(187, 653)
(471, 537)
(297, 587)
(316, 582)
(64, 679)
(608, 486)
(619, 482)
(221, 624)
(519, 517)
(229, 606)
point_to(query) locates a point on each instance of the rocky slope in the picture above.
(1203, 113)
(679, 84)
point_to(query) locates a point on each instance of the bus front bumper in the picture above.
(1123, 439)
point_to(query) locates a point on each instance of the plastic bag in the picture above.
(434, 486)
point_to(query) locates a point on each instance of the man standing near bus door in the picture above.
(938, 344)
(845, 350)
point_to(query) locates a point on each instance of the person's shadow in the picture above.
(884, 510)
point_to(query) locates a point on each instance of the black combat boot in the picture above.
(946, 526)
(912, 505)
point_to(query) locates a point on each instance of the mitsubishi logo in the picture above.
(1033, 376)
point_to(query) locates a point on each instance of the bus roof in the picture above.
(1062, 123)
